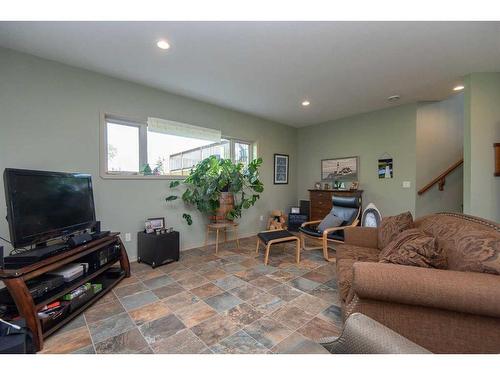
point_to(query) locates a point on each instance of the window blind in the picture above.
(183, 130)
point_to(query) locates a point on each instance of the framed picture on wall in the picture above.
(280, 169)
(340, 168)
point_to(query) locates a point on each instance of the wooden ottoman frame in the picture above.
(278, 240)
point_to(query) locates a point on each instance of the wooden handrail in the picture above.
(441, 178)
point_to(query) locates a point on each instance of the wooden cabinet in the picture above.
(321, 201)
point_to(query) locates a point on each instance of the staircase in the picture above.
(441, 179)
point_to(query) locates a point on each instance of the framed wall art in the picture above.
(280, 169)
(340, 168)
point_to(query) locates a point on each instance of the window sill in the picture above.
(107, 176)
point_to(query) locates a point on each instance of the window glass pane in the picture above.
(123, 148)
(175, 155)
(241, 152)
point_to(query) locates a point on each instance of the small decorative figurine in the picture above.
(276, 221)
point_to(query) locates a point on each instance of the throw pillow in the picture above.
(476, 251)
(391, 226)
(329, 221)
(413, 248)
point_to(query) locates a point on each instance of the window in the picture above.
(164, 148)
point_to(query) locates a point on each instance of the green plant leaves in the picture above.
(212, 176)
(188, 218)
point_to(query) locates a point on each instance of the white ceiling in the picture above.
(268, 68)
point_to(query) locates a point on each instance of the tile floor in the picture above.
(206, 303)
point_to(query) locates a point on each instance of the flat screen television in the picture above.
(43, 205)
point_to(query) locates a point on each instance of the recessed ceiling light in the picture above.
(393, 98)
(458, 88)
(306, 103)
(163, 44)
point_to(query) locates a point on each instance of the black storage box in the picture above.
(16, 341)
(157, 249)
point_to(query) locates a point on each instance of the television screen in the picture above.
(43, 205)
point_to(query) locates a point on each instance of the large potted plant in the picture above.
(220, 188)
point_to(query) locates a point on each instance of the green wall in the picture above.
(49, 120)
(482, 129)
(368, 136)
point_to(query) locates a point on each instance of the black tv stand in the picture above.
(32, 256)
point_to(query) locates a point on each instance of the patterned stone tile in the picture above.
(239, 343)
(137, 300)
(149, 312)
(318, 328)
(129, 290)
(332, 314)
(329, 269)
(294, 269)
(214, 274)
(229, 282)
(183, 342)
(77, 322)
(318, 277)
(291, 317)
(215, 329)
(232, 268)
(151, 274)
(108, 297)
(250, 274)
(181, 300)
(298, 344)
(312, 305)
(127, 281)
(192, 282)
(110, 327)
(194, 314)
(136, 268)
(266, 303)
(265, 282)
(161, 328)
(103, 311)
(246, 292)
(222, 302)
(157, 282)
(126, 342)
(168, 290)
(85, 350)
(268, 331)
(180, 274)
(285, 292)
(249, 263)
(332, 284)
(206, 290)
(328, 294)
(68, 342)
(303, 284)
(243, 314)
(282, 276)
(236, 258)
(170, 267)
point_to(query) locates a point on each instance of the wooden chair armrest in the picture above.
(310, 222)
(270, 230)
(334, 229)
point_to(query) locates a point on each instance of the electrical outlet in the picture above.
(261, 217)
(128, 237)
(406, 184)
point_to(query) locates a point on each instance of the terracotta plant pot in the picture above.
(226, 202)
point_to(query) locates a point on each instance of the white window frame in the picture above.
(143, 148)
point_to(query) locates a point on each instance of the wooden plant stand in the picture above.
(15, 281)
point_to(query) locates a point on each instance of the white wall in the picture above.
(49, 120)
(440, 127)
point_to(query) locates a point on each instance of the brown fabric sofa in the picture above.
(443, 310)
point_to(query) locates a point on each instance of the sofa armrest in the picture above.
(361, 236)
(467, 292)
(363, 335)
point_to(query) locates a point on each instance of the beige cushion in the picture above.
(413, 248)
